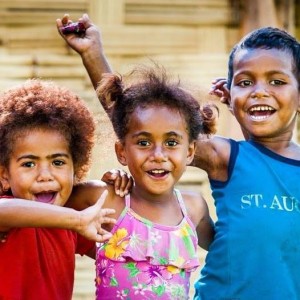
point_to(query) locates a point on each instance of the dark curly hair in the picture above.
(151, 87)
(38, 103)
(268, 38)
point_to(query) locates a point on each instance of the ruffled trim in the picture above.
(138, 239)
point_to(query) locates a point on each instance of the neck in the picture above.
(153, 198)
(156, 208)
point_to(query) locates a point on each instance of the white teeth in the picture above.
(158, 171)
(261, 108)
(258, 118)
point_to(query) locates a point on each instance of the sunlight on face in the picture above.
(40, 167)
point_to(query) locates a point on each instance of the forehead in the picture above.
(39, 140)
(157, 118)
(270, 59)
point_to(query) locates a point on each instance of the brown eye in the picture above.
(143, 143)
(277, 82)
(244, 83)
(58, 163)
(172, 143)
(28, 164)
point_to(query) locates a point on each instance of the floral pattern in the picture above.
(144, 260)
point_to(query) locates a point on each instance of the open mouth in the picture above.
(45, 197)
(261, 112)
(158, 173)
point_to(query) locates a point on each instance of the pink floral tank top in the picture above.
(145, 260)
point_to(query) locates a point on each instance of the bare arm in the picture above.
(87, 193)
(205, 231)
(198, 212)
(212, 155)
(26, 213)
(88, 46)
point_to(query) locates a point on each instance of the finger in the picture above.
(129, 185)
(216, 80)
(103, 235)
(124, 179)
(110, 176)
(62, 22)
(86, 20)
(107, 211)
(225, 100)
(108, 220)
(100, 238)
(66, 19)
(117, 184)
(220, 85)
(216, 92)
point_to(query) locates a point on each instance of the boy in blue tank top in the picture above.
(256, 251)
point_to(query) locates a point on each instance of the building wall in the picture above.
(191, 38)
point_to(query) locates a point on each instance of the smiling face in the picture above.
(265, 93)
(40, 167)
(156, 148)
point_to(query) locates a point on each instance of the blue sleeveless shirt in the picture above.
(256, 251)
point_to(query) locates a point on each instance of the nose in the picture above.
(44, 174)
(158, 154)
(259, 91)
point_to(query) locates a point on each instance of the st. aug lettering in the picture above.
(280, 203)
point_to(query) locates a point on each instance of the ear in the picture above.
(4, 179)
(120, 152)
(191, 152)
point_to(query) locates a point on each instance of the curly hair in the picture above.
(38, 103)
(153, 87)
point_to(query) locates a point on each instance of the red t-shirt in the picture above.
(39, 263)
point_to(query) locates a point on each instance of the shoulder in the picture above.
(213, 155)
(196, 206)
(87, 193)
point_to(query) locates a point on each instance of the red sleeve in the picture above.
(84, 245)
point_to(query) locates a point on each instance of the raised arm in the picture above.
(88, 45)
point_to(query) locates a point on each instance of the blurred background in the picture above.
(191, 38)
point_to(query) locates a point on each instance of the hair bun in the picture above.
(210, 115)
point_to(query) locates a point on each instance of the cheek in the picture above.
(20, 188)
(69, 181)
(181, 158)
(21, 181)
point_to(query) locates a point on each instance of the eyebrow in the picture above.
(52, 156)
(272, 72)
(147, 134)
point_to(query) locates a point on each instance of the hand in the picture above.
(121, 180)
(81, 43)
(92, 218)
(219, 89)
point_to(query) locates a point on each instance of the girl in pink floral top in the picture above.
(153, 248)
(153, 259)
